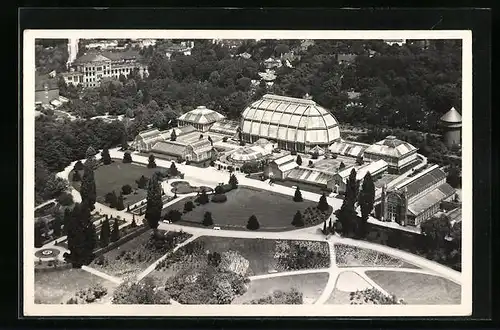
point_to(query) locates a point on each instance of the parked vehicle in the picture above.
(216, 228)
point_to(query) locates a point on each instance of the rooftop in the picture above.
(201, 115)
(391, 146)
(422, 181)
(431, 198)
(103, 56)
(452, 116)
(310, 175)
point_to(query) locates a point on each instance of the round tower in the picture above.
(452, 124)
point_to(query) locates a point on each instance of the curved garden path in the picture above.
(212, 176)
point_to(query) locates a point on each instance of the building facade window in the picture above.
(392, 212)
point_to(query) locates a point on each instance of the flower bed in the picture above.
(137, 254)
(352, 256)
(183, 187)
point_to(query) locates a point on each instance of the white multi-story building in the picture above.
(90, 69)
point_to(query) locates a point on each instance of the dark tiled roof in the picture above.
(106, 55)
(424, 181)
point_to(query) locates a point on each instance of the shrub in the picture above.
(126, 189)
(227, 188)
(207, 219)
(253, 223)
(202, 198)
(297, 220)
(111, 199)
(127, 158)
(173, 215)
(188, 206)
(315, 155)
(298, 195)
(78, 166)
(359, 161)
(188, 162)
(76, 176)
(212, 163)
(311, 164)
(219, 198)
(293, 152)
(334, 156)
(65, 198)
(142, 183)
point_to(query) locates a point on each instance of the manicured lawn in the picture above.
(339, 298)
(117, 174)
(310, 285)
(241, 204)
(352, 256)
(418, 289)
(57, 287)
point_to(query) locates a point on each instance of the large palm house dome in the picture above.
(295, 124)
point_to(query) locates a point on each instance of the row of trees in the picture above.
(349, 224)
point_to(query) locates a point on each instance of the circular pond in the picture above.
(47, 253)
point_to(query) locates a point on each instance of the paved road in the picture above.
(101, 274)
(289, 273)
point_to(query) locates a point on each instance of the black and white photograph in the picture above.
(266, 173)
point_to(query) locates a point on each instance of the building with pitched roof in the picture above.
(93, 67)
(295, 124)
(348, 148)
(200, 118)
(416, 199)
(145, 140)
(198, 151)
(312, 176)
(280, 167)
(338, 182)
(398, 154)
(452, 125)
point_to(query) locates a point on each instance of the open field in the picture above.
(310, 285)
(418, 289)
(352, 256)
(241, 204)
(117, 174)
(57, 287)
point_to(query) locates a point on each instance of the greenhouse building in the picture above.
(293, 123)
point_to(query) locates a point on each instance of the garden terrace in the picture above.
(246, 201)
(56, 287)
(137, 254)
(114, 176)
